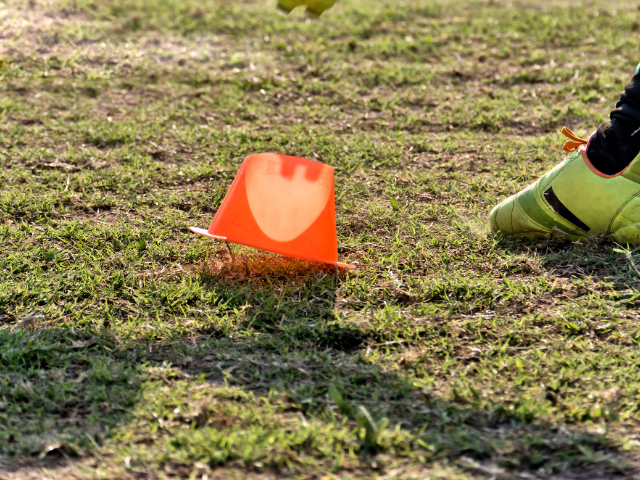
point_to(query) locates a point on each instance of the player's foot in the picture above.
(574, 200)
(314, 7)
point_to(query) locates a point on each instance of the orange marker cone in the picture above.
(281, 204)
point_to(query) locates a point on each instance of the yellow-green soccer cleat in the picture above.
(314, 7)
(574, 200)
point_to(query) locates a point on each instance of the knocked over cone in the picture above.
(281, 204)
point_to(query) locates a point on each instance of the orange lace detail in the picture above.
(573, 142)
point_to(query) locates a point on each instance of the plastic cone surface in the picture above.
(281, 204)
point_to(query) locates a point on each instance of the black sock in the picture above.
(617, 142)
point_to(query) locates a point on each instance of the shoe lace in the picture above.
(573, 142)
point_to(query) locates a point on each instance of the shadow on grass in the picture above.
(600, 259)
(275, 292)
(291, 388)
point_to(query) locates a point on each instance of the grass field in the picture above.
(131, 348)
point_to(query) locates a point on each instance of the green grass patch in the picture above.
(131, 348)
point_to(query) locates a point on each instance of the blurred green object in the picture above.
(314, 7)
